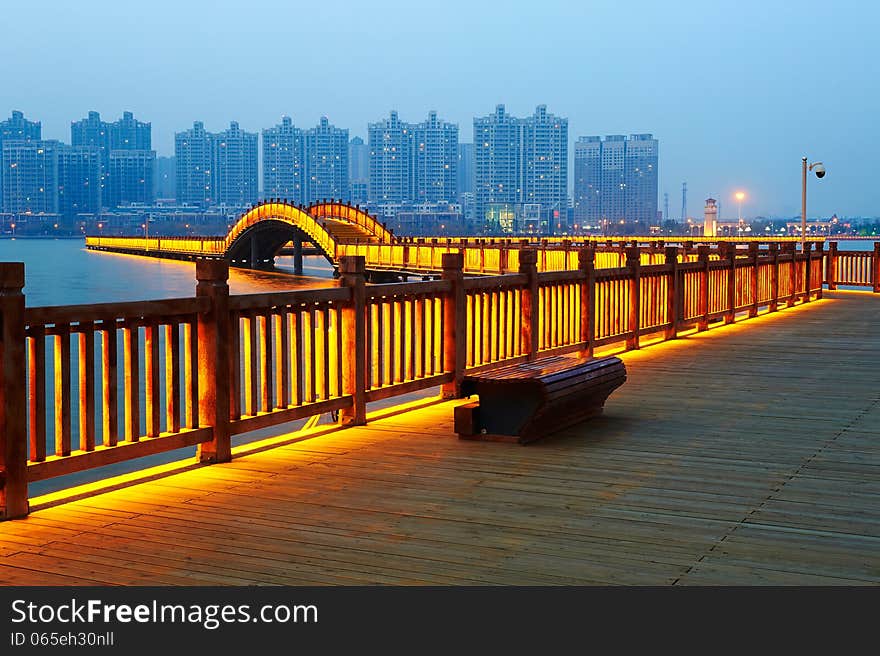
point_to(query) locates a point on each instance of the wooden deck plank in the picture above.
(733, 456)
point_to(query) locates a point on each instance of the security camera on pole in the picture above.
(820, 173)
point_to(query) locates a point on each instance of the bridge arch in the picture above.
(262, 231)
(343, 211)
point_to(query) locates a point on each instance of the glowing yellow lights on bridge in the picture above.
(740, 195)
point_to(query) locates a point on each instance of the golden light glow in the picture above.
(740, 195)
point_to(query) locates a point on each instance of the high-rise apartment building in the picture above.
(616, 179)
(521, 171)
(130, 178)
(234, 166)
(192, 152)
(358, 170)
(326, 159)
(465, 176)
(30, 179)
(16, 128)
(545, 169)
(165, 180)
(587, 179)
(130, 134)
(642, 182)
(119, 179)
(78, 179)
(498, 169)
(435, 161)
(284, 162)
(390, 142)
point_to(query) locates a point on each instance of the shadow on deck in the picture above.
(744, 455)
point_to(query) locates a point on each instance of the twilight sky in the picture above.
(736, 92)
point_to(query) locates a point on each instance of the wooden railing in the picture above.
(195, 371)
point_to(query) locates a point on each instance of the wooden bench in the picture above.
(524, 402)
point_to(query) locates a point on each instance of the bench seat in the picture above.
(525, 401)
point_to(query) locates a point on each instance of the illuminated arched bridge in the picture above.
(335, 229)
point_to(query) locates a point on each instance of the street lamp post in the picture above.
(739, 199)
(820, 173)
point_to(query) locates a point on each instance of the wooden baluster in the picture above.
(214, 348)
(808, 270)
(634, 286)
(172, 377)
(673, 297)
(831, 268)
(774, 277)
(86, 386)
(62, 390)
(37, 392)
(264, 325)
(131, 375)
(251, 365)
(296, 351)
(820, 250)
(109, 384)
(753, 278)
(587, 266)
(729, 253)
(703, 298)
(354, 332)
(792, 275)
(235, 348)
(875, 268)
(151, 377)
(13, 404)
(454, 324)
(282, 358)
(528, 264)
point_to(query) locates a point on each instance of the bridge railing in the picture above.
(196, 371)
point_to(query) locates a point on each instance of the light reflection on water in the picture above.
(62, 272)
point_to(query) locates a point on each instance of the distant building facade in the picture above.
(165, 180)
(16, 128)
(30, 178)
(326, 159)
(284, 162)
(390, 142)
(465, 177)
(435, 161)
(193, 155)
(358, 168)
(521, 171)
(234, 167)
(124, 148)
(130, 178)
(616, 179)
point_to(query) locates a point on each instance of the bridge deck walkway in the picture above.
(745, 455)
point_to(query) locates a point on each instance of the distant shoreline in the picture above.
(42, 237)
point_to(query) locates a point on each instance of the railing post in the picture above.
(214, 356)
(831, 268)
(730, 254)
(454, 324)
(634, 264)
(703, 308)
(528, 264)
(808, 260)
(354, 340)
(673, 307)
(587, 266)
(753, 278)
(13, 403)
(875, 268)
(820, 249)
(792, 275)
(774, 277)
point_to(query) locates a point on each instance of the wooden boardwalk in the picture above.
(744, 455)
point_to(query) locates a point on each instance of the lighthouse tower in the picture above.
(710, 218)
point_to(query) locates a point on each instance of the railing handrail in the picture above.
(298, 353)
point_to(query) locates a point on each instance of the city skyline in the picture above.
(737, 96)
